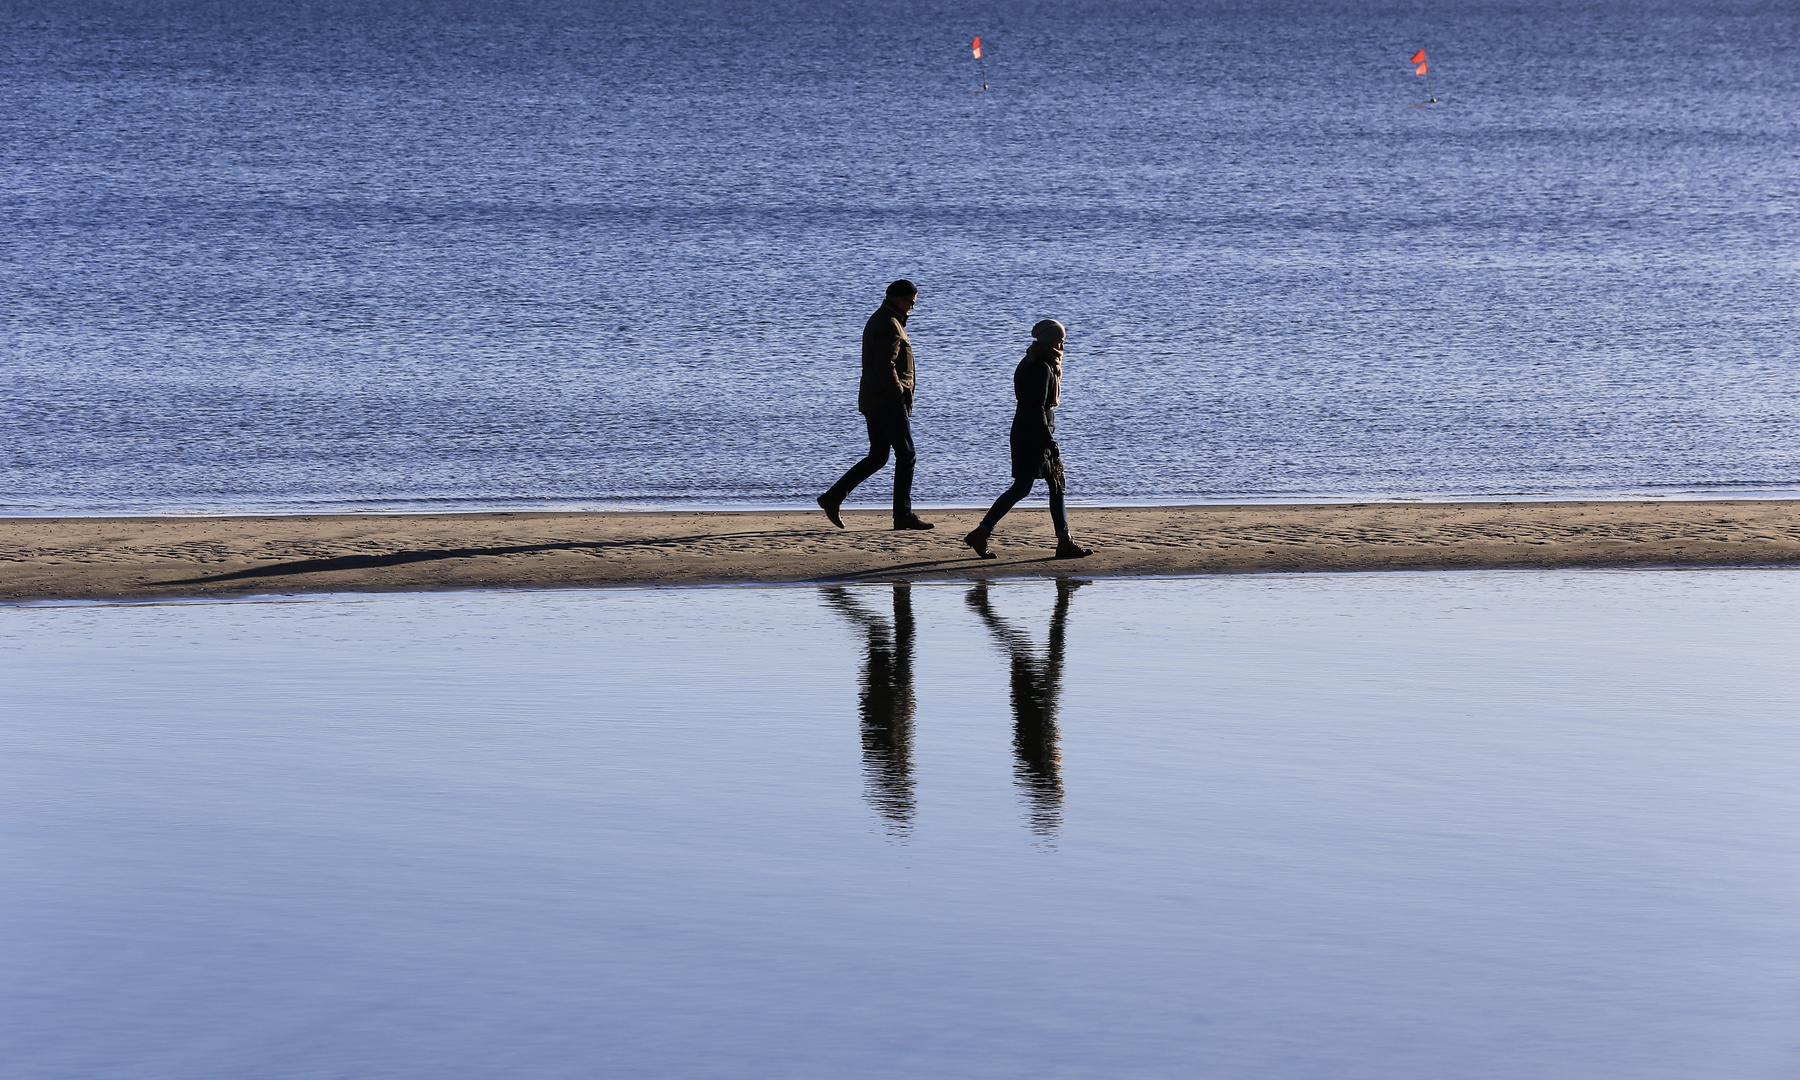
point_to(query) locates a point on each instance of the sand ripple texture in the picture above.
(151, 558)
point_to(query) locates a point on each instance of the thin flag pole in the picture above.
(1423, 67)
(976, 45)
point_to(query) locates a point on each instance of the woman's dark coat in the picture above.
(1036, 385)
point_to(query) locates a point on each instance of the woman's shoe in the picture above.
(1069, 549)
(978, 540)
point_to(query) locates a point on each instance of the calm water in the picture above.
(462, 255)
(1471, 825)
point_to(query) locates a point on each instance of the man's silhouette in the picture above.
(885, 398)
(886, 703)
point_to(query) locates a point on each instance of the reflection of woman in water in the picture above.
(1036, 687)
(1037, 384)
(886, 702)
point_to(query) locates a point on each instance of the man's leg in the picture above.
(862, 470)
(896, 428)
(905, 458)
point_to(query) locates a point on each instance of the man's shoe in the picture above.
(911, 521)
(831, 510)
(978, 540)
(1069, 549)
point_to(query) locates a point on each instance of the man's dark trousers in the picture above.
(889, 429)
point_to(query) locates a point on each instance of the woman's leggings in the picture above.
(1010, 498)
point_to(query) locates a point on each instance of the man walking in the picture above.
(885, 398)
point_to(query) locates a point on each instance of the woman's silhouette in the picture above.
(1036, 687)
(886, 703)
(1037, 384)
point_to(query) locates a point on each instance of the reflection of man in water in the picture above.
(886, 703)
(1036, 685)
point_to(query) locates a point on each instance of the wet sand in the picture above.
(149, 557)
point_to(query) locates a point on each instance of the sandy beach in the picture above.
(165, 557)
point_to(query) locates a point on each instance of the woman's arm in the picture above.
(1033, 389)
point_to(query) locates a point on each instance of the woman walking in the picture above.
(1037, 383)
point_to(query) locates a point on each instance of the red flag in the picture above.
(977, 48)
(1417, 58)
(1421, 69)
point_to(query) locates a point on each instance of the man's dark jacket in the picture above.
(887, 362)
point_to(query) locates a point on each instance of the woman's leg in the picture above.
(1066, 547)
(1057, 517)
(1007, 500)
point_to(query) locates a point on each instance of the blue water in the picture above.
(1385, 826)
(459, 255)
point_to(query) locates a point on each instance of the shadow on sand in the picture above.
(402, 558)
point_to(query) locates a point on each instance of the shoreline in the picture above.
(655, 507)
(144, 558)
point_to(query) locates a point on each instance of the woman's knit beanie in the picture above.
(1049, 331)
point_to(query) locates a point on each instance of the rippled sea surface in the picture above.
(461, 255)
(1402, 826)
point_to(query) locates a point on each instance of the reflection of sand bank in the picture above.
(72, 558)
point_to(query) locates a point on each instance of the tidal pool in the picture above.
(1398, 825)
